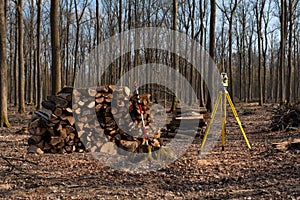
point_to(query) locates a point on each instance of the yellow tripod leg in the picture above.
(223, 133)
(210, 122)
(223, 120)
(237, 119)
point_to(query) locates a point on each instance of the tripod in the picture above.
(222, 97)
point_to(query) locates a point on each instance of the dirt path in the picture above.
(235, 173)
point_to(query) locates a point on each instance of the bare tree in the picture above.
(202, 12)
(296, 56)
(98, 38)
(283, 35)
(265, 48)
(16, 68)
(241, 40)
(68, 62)
(30, 52)
(249, 43)
(211, 48)
(290, 67)
(21, 95)
(78, 22)
(229, 13)
(175, 60)
(121, 67)
(259, 12)
(3, 68)
(38, 63)
(55, 43)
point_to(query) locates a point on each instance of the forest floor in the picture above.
(236, 173)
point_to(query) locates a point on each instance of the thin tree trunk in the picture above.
(76, 43)
(231, 84)
(265, 49)
(250, 69)
(16, 67)
(78, 21)
(278, 77)
(259, 11)
(39, 67)
(21, 95)
(296, 63)
(239, 47)
(272, 72)
(68, 63)
(32, 60)
(11, 63)
(243, 86)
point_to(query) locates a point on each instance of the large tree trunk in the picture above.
(231, 84)
(202, 43)
(3, 68)
(259, 9)
(98, 40)
(175, 60)
(282, 87)
(21, 95)
(55, 43)
(289, 84)
(121, 67)
(68, 70)
(137, 41)
(76, 43)
(211, 50)
(98, 25)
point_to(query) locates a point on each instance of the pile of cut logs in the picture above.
(91, 119)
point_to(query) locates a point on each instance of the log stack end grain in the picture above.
(52, 128)
(87, 119)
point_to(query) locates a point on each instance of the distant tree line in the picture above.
(44, 42)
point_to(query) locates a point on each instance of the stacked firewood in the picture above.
(53, 127)
(89, 119)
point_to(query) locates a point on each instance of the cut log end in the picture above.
(98, 115)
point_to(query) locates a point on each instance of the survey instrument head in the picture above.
(224, 79)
